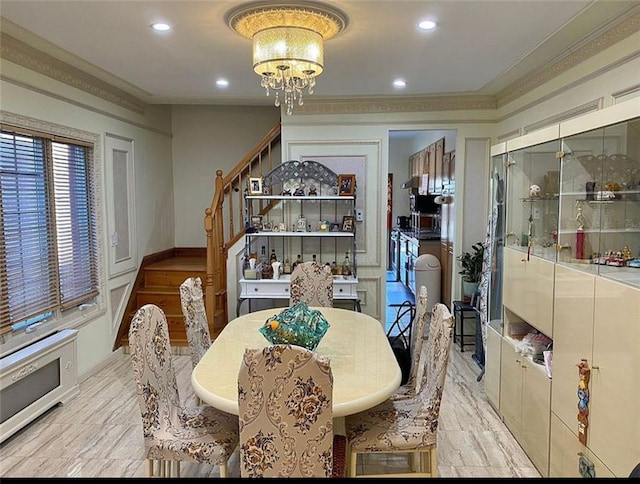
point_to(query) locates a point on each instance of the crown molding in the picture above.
(572, 58)
(24, 55)
(396, 104)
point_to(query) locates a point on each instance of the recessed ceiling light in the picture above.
(222, 83)
(399, 83)
(160, 27)
(427, 25)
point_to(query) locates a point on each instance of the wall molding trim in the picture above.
(24, 55)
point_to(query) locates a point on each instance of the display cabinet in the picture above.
(571, 270)
(533, 196)
(299, 212)
(600, 202)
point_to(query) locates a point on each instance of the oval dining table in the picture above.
(365, 370)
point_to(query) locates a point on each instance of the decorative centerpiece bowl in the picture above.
(297, 325)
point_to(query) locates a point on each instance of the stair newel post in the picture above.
(209, 297)
(215, 283)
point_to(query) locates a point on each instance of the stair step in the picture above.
(173, 272)
(172, 278)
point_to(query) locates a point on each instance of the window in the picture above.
(48, 238)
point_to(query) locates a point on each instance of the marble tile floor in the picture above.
(99, 434)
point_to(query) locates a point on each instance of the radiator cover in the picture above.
(35, 378)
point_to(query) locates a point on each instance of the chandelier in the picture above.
(288, 39)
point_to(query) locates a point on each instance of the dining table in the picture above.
(365, 370)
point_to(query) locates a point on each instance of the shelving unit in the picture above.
(295, 229)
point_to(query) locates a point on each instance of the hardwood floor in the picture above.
(99, 434)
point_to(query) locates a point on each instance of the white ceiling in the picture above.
(479, 47)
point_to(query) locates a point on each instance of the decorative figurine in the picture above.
(286, 192)
(299, 191)
(580, 231)
(534, 191)
(583, 400)
(313, 191)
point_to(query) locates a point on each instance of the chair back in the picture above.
(312, 283)
(195, 318)
(156, 386)
(286, 416)
(417, 338)
(435, 360)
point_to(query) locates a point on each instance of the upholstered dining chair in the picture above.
(312, 283)
(195, 318)
(286, 418)
(408, 425)
(172, 432)
(418, 325)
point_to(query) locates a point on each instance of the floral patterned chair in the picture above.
(286, 417)
(412, 387)
(312, 283)
(195, 318)
(408, 425)
(172, 432)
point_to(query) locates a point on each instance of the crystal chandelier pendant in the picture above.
(288, 51)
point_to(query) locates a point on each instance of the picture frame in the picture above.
(346, 185)
(335, 227)
(255, 185)
(347, 223)
(282, 227)
(266, 227)
(256, 222)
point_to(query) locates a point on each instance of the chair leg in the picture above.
(223, 470)
(353, 460)
(415, 461)
(433, 468)
(149, 467)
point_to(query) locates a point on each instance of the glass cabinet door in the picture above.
(532, 199)
(497, 184)
(600, 202)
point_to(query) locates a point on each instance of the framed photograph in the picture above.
(256, 222)
(266, 227)
(282, 227)
(347, 223)
(255, 186)
(346, 185)
(335, 227)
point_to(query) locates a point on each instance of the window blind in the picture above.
(48, 258)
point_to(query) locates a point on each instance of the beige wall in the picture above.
(48, 103)
(205, 139)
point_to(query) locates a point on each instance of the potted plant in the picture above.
(471, 263)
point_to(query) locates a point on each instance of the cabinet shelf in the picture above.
(300, 234)
(304, 198)
(540, 199)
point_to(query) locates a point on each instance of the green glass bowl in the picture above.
(297, 325)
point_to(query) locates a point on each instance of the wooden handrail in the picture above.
(229, 189)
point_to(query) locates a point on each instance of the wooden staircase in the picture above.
(160, 275)
(158, 282)
(162, 287)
